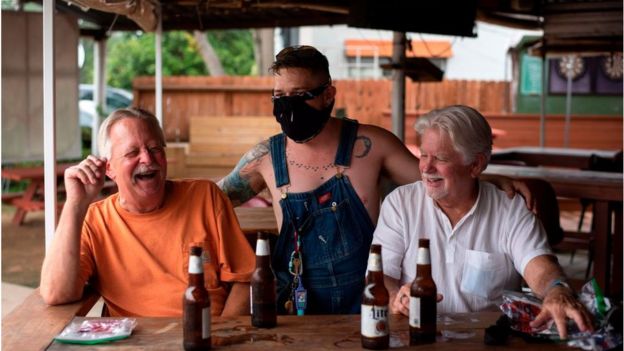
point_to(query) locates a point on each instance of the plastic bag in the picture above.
(97, 330)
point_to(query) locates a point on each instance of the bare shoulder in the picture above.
(377, 139)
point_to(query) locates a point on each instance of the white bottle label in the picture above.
(414, 312)
(250, 300)
(374, 262)
(195, 265)
(205, 323)
(262, 247)
(375, 321)
(423, 256)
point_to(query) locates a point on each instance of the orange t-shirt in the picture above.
(139, 262)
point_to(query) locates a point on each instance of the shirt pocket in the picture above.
(483, 274)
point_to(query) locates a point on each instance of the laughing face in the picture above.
(445, 174)
(137, 164)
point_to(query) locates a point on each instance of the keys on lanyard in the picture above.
(298, 294)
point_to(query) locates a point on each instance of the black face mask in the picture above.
(300, 121)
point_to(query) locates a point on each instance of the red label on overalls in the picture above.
(324, 198)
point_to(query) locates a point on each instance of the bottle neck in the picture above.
(423, 263)
(374, 268)
(196, 271)
(263, 253)
(196, 279)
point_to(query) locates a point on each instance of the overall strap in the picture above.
(277, 144)
(348, 133)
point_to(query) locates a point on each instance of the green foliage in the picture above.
(133, 54)
(86, 71)
(235, 50)
(9, 4)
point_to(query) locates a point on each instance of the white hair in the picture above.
(104, 145)
(468, 130)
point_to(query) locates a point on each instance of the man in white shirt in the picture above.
(481, 241)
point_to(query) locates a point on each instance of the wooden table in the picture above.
(256, 219)
(32, 326)
(550, 156)
(603, 187)
(27, 201)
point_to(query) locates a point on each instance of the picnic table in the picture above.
(33, 325)
(550, 156)
(28, 200)
(32, 198)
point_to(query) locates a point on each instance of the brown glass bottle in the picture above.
(423, 293)
(263, 286)
(196, 302)
(375, 329)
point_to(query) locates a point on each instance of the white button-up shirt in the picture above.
(472, 263)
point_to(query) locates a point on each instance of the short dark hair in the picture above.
(301, 56)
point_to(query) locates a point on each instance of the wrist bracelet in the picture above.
(555, 283)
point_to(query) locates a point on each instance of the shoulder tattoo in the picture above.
(366, 143)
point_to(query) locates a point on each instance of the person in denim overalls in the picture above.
(335, 233)
(323, 176)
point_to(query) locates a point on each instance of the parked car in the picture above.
(115, 98)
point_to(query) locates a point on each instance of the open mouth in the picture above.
(433, 180)
(145, 176)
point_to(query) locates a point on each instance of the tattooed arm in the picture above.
(245, 181)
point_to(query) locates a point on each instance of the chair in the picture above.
(576, 239)
(603, 164)
(547, 210)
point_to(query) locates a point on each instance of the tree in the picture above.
(132, 54)
(263, 49)
(208, 54)
(235, 50)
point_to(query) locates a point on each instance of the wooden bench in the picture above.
(217, 141)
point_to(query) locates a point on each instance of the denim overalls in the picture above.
(335, 232)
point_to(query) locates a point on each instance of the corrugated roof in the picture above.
(420, 48)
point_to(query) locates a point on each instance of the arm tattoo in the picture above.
(368, 144)
(236, 185)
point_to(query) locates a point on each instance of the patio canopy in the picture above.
(569, 25)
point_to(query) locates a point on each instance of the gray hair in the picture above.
(104, 145)
(468, 130)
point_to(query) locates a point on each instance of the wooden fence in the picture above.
(369, 102)
(365, 100)
(586, 132)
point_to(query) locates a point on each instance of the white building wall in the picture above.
(481, 58)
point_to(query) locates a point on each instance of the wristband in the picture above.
(555, 283)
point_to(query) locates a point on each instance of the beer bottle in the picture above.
(423, 293)
(263, 286)
(196, 302)
(375, 328)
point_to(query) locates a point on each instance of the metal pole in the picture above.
(99, 90)
(543, 103)
(49, 123)
(398, 85)
(158, 77)
(566, 126)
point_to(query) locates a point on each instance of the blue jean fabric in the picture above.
(335, 232)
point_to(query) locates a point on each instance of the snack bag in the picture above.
(96, 330)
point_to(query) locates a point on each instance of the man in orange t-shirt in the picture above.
(133, 246)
